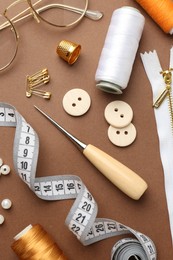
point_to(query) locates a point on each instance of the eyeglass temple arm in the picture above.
(94, 15)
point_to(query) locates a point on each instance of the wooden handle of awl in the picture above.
(120, 175)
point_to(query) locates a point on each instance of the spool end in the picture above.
(23, 232)
(109, 87)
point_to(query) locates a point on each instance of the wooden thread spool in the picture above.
(35, 243)
(161, 12)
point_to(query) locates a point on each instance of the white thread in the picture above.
(119, 51)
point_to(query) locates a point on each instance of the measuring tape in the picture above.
(81, 220)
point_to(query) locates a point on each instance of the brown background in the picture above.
(58, 156)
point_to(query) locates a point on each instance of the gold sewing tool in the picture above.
(167, 76)
(35, 81)
(68, 51)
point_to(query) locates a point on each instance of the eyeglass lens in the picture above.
(7, 43)
(8, 34)
(60, 12)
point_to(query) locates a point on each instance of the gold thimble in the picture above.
(68, 51)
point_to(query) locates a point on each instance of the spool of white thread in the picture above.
(119, 51)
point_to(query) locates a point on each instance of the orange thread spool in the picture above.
(161, 12)
(35, 243)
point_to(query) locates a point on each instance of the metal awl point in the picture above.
(81, 146)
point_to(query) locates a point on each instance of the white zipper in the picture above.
(163, 121)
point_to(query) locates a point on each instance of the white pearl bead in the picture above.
(6, 204)
(5, 169)
(1, 219)
(1, 162)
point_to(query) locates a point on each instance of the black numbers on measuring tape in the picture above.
(99, 228)
(111, 226)
(23, 175)
(47, 188)
(79, 186)
(144, 238)
(122, 227)
(90, 233)
(28, 128)
(25, 152)
(37, 188)
(75, 228)
(86, 206)
(59, 187)
(27, 140)
(70, 186)
(24, 165)
(151, 249)
(89, 196)
(11, 114)
(2, 114)
(80, 218)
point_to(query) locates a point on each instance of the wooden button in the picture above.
(118, 114)
(76, 102)
(122, 136)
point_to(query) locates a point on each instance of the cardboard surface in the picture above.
(57, 155)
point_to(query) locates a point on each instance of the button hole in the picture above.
(79, 98)
(117, 132)
(121, 115)
(116, 109)
(73, 105)
(126, 132)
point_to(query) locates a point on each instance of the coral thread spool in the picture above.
(35, 243)
(119, 50)
(161, 12)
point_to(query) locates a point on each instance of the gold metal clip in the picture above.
(167, 76)
(35, 81)
(160, 99)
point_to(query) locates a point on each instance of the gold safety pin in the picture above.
(94, 15)
(35, 81)
(39, 78)
(39, 93)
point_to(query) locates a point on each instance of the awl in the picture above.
(121, 176)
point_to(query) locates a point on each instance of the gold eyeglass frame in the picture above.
(16, 35)
(61, 7)
(94, 15)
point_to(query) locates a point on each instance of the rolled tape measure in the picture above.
(82, 218)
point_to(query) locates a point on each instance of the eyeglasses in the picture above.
(62, 15)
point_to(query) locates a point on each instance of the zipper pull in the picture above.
(167, 76)
(161, 97)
